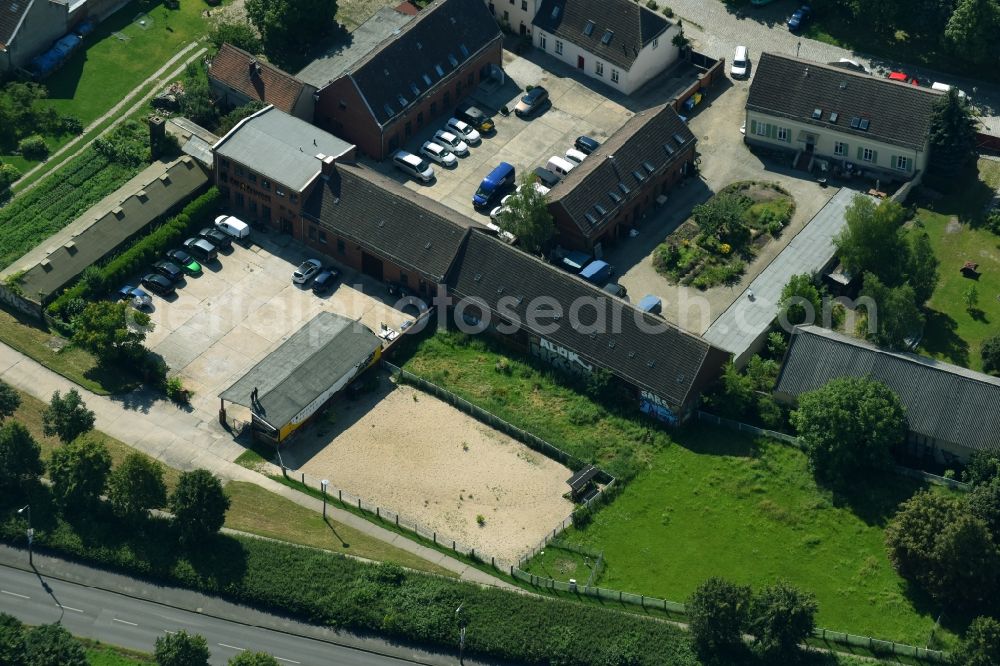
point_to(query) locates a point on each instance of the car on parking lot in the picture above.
(158, 284)
(169, 270)
(220, 239)
(325, 280)
(438, 153)
(306, 271)
(575, 156)
(475, 117)
(201, 248)
(585, 144)
(616, 289)
(451, 142)
(185, 261)
(799, 18)
(464, 130)
(532, 102)
(546, 177)
(136, 297)
(740, 66)
(497, 212)
(904, 77)
(412, 165)
(233, 226)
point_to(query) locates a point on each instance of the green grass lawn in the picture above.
(99, 654)
(718, 504)
(952, 333)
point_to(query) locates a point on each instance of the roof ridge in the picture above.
(851, 72)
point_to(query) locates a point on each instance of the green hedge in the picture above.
(142, 253)
(338, 591)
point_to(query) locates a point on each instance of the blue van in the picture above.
(496, 183)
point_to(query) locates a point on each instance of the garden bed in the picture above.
(724, 233)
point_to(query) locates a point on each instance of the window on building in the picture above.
(656, 42)
(524, 5)
(420, 118)
(783, 134)
(239, 171)
(223, 164)
(403, 278)
(341, 248)
(266, 184)
(541, 42)
(506, 14)
(599, 68)
(839, 148)
(322, 237)
(294, 197)
(868, 155)
(312, 232)
(558, 47)
(762, 129)
(903, 163)
(252, 177)
(280, 192)
(614, 75)
(239, 200)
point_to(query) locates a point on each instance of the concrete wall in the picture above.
(343, 111)
(764, 130)
(12, 300)
(514, 15)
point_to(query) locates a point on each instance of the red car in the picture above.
(902, 76)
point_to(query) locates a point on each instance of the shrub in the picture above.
(668, 12)
(33, 147)
(181, 649)
(176, 391)
(127, 145)
(717, 616)
(71, 125)
(651, 4)
(8, 175)
(990, 352)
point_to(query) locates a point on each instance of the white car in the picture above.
(497, 212)
(503, 202)
(541, 189)
(449, 140)
(306, 271)
(414, 166)
(740, 66)
(435, 152)
(464, 130)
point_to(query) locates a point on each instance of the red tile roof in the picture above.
(408, 8)
(261, 81)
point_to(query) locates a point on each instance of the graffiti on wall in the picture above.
(559, 357)
(655, 406)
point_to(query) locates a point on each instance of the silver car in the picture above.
(464, 130)
(306, 271)
(438, 153)
(449, 140)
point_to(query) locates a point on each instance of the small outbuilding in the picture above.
(583, 483)
(299, 378)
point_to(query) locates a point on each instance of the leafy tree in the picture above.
(850, 423)
(798, 297)
(911, 534)
(52, 645)
(782, 617)
(113, 332)
(984, 503)
(527, 216)
(972, 29)
(79, 473)
(199, 504)
(239, 34)
(33, 147)
(197, 103)
(291, 27)
(67, 417)
(722, 215)
(895, 312)
(10, 400)
(982, 467)
(718, 612)
(737, 394)
(872, 240)
(12, 650)
(8, 175)
(181, 649)
(762, 373)
(971, 298)
(228, 121)
(981, 644)
(952, 134)
(20, 457)
(922, 268)
(253, 659)
(990, 352)
(136, 486)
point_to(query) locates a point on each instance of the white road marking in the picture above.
(70, 608)
(290, 661)
(15, 594)
(232, 647)
(132, 624)
(167, 631)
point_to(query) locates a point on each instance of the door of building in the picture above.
(371, 265)
(579, 62)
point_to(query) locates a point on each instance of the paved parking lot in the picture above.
(222, 322)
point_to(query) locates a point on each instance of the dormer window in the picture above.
(589, 28)
(606, 39)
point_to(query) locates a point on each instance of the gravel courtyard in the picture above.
(411, 453)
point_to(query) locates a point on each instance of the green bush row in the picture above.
(145, 251)
(334, 590)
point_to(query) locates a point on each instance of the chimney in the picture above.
(326, 164)
(157, 133)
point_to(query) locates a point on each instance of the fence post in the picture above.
(493, 562)
(397, 520)
(340, 496)
(642, 600)
(435, 538)
(453, 544)
(303, 475)
(359, 502)
(377, 514)
(619, 594)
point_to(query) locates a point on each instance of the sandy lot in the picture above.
(409, 452)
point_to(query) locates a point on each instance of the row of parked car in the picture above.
(165, 275)
(323, 278)
(466, 128)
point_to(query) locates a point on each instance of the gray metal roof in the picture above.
(333, 64)
(943, 401)
(809, 252)
(315, 358)
(280, 147)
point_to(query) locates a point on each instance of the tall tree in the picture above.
(718, 612)
(527, 216)
(20, 457)
(983, 467)
(972, 30)
(112, 331)
(253, 659)
(872, 240)
(52, 645)
(199, 505)
(798, 297)
(291, 27)
(952, 134)
(136, 486)
(922, 267)
(990, 353)
(895, 312)
(79, 473)
(981, 644)
(984, 503)
(10, 400)
(67, 417)
(850, 423)
(181, 649)
(782, 617)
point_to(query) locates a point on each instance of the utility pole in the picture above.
(26, 509)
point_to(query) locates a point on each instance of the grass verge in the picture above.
(101, 654)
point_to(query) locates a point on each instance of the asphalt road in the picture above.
(136, 623)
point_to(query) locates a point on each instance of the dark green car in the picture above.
(185, 261)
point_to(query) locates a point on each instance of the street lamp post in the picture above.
(797, 47)
(26, 509)
(461, 634)
(324, 483)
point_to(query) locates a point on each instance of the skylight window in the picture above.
(414, 89)
(601, 210)
(590, 218)
(670, 149)
(453, 60)
(679, 139)
(402, 101)
(817, 114)
(440, 72)
(833, 116)
(427, 80)
(465, 51)
(855, 121)
(555, 12)
(388, 109)
(606, 39)
(638, 175)
(648, 167)
(617, 198)
(864, 124)
(624, 188)
(589, 28)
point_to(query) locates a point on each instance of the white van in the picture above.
(944, 87)
(559, 166)
(233, 226)
(741, 63)
(575, 156)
